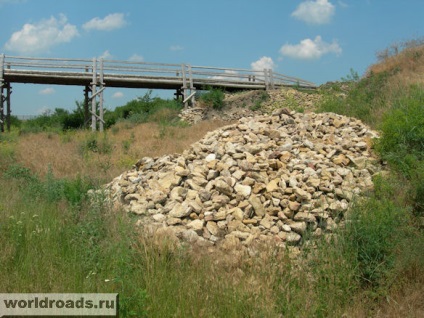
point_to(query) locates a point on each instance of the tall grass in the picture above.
(55, 241)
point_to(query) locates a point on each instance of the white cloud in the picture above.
(41, 36)
(176, 48)
(136, 58)
(110, 22)
(309, 49)
(264, 62)
(47, 91)
(106, 55)
(315, 12)
(118, 95)
(228, 75)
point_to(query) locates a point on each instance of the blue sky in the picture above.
(316, 40)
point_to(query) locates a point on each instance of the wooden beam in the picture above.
(93, 100)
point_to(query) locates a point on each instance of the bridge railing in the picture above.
(144, 69)
(231, 75)
(186, 74)
(47, 64)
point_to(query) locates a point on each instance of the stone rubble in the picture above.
(293, 99)
(253, 103)
(277, 178)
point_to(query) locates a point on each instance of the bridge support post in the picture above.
(93, 97)
(184, 87)
(271, 79)
(8, 111)
(5, 99)
(97, 93)
(178, 95)
(192, 88)
(102, 87)
(188, 89)
(2, 110)
(1, 93)
(87, 90)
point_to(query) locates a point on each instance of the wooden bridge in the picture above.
(97, 74)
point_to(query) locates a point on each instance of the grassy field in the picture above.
(54, 239)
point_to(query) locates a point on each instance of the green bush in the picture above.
(213, 98)
(17, 171)
(140, 110)
(60, 119)
(50, 188)
(402, 142)
(146, 109)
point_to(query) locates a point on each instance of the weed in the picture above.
(352, 77)
(402, 143)
(256, 106)
(94, 145)
(7, 153)
(213, 98)
(17, 171)
(126, 144)
(114, 130)
(373, 238)
(66, 137)
(364, 101)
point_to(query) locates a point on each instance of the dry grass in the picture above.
(409, 61)
(408, 67)
(404, 302)
(64, 153)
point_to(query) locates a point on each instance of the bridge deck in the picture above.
(124, 81)
(138, 74)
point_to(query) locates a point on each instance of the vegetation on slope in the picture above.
(54, 239)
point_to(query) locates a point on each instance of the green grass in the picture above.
(365, 99)
(54, 240)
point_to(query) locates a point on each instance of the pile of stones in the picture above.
(280, 177)
(253, 103)
(235, 106)
(292, 99)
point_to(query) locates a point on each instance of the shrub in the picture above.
(94, 144)
(146, 109)
(402, 142)
(213, 98)
(60, 119)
